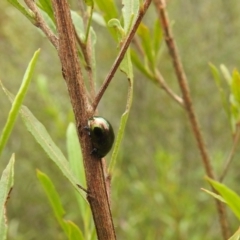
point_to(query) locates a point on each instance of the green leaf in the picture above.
(214, 195)
(46, 6)
(71, 230)
(231, 198)
(130, 12)
(89, 2)
(234, 100)
(224, 99)
(236, 235)
(144, 34)
(16, 105)
(74, 232)
(115, 23)
(226, 74)
(126, 67)
(52, 195)
(139, 64)
(108, 11)
(78, 23)
(93, 41)
(76, 164)
(99, 19)
(43, 138)
(75, 154)
(6, 184)
(157, 39)
(41, 135)
(26, 12)
(235, 86)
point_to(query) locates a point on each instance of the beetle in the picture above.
(101, 134)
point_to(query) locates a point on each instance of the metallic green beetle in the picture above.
(101, 134)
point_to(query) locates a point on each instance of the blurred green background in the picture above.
(156, 186)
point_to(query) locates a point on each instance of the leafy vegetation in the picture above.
(156, 168)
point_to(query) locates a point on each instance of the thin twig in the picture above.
(183, 83)
(121, 54)
(40, 23)
(231, 154)
(159, 78)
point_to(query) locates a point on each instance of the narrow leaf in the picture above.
(231, 198)
(224, 99)
(46, 6)
(6, 184)
(236, 235)
(157, 38)
(74, 232)
(235, 86)
(75, 154)
(130, 11)
(226, 74)
(26, 12)
(214, 195)
(139, 64)
(108, 11)
(43, 138)
(126, 67)
(71, 230)
(76, 164)
(146, 40)
(78, 23)
(16, 105)
(52, 195)
(41, 135)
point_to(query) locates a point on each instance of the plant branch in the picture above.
(96, 185)
(183, 83)
(40, 23)
(231, 154)
(159, 78)
(121, 54)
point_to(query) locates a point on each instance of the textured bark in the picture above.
(96, 187)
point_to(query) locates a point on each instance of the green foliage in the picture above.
(129, 11)
(232, 106)
(46, 6)
(76, 164)
(146, 39)
(41, 135)
(158, 165)
(109, 11)
(125, 67)
(26, 12)
(6, 184)
(16, 105)
(229, 196)
(236, 235)
(71, 230)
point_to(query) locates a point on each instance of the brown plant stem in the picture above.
(96, 185)
(40, 23)
(183, 83)
(121, 54)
